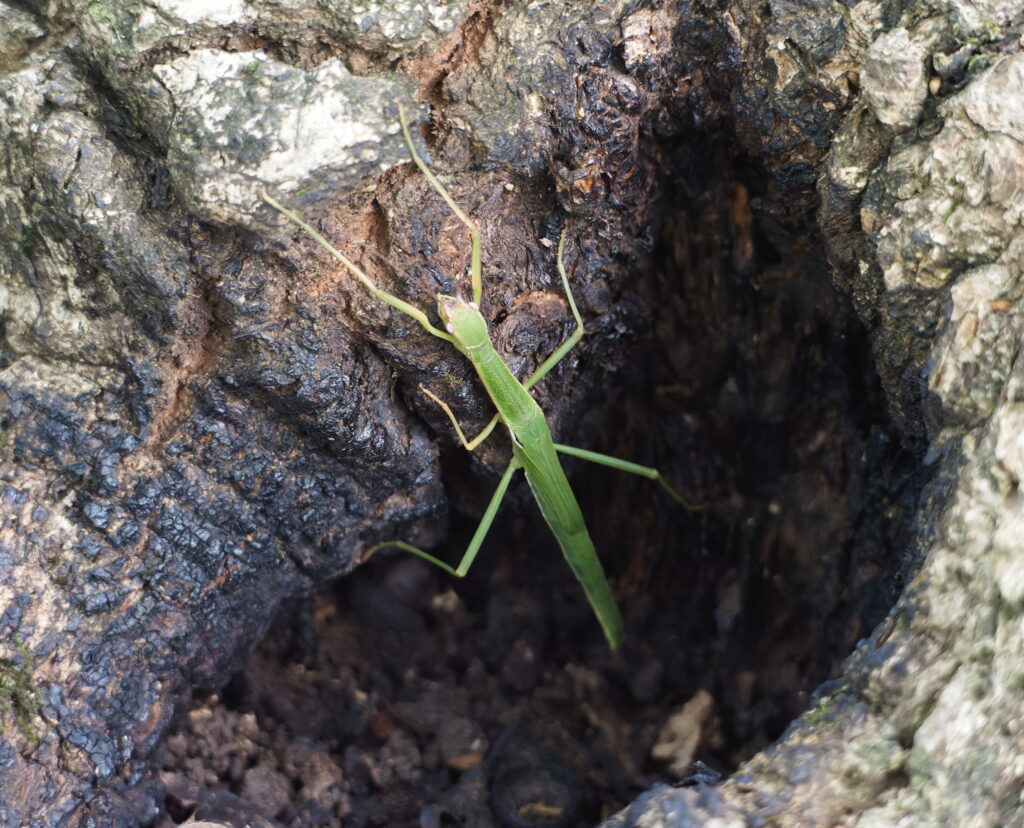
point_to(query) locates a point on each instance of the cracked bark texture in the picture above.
(199, 423)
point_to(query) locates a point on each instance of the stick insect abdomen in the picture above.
(534, 450)
(514, 403)
(562, 513)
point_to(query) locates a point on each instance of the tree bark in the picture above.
(203, 417)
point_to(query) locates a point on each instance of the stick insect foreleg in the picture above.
(476, 269)
(390, 299)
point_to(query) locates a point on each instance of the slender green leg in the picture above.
(366, 281)
(624, 465)
(478, 536)
(469, 444)
(475, 267)
(475, 260)
(574, 337)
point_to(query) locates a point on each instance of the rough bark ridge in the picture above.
(195, 427)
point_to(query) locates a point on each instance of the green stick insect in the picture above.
(533, 449)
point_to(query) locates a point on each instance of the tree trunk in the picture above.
(203, 416)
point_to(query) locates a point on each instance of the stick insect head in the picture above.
(463, 321)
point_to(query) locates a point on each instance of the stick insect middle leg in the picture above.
(475, 266)
(577, 334)
(545, 367)
(469, 445)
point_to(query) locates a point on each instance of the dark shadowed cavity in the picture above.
(403, 697)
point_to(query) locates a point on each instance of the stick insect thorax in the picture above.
(470, 334)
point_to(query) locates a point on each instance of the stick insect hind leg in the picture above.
(594, 457)
(649, 472)
(603, 460)
(478, 536)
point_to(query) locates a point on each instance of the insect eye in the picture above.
(449, 327)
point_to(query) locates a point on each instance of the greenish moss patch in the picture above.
(18, 694)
